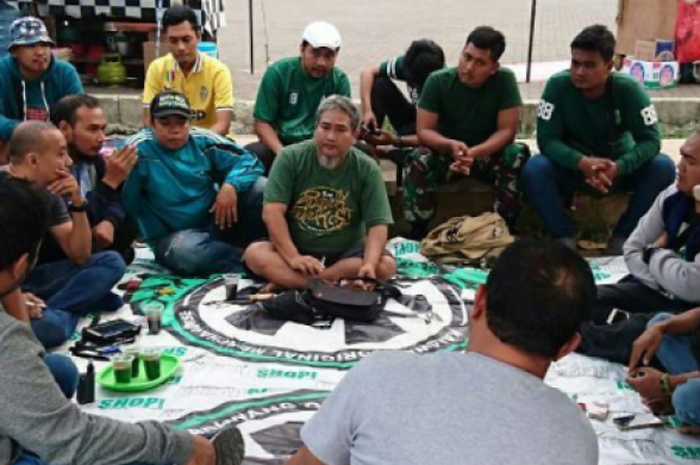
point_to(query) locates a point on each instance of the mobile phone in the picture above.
(110, 331)
(370, 129)
(696, 193)
(645, 420)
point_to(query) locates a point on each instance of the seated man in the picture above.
(488, 406)
(381, 98)
(467, 120)
(585, 150)
(204, 80)
(673, 340)
(193, 193)
(77, 281)
(23, 212)
(663, 257)
(291, 90)
(82, 122)
(31, 79)
(326, 208)
(39, 425)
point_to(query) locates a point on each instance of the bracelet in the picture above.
(666, 384)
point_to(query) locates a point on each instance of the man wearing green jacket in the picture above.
(195, 195)
(597, 131)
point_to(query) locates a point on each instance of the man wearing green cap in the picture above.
(31, 79)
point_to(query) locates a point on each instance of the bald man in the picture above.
(60, 289)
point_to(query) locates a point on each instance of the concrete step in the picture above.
(678, 116)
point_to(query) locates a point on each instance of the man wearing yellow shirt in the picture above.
(204, 80)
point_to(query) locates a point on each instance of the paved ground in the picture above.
(373, 30)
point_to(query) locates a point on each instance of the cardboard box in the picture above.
(652, 75)
(644, 19)
(149, 53)
(654, 50)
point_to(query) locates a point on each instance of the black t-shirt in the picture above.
(58, 214)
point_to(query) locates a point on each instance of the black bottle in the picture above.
(86, 385)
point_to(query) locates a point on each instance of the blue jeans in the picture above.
(676, 357)
(545, 184)
(211, 250)
(64, 372)
(71, 291)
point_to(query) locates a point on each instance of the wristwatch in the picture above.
(82, 208)
(648, 252)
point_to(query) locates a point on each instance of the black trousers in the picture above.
(389, 101)
(264, 154)
(638, 304)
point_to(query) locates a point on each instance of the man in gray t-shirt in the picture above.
(487, 406)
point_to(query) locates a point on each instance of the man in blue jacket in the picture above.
(31, 79)
(196, 196)
(83, 123)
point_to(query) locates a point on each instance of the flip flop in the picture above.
(229, 446)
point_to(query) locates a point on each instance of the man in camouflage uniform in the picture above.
(467, 122)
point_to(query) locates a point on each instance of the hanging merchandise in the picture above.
(688, 31)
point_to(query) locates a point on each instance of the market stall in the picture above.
(112, 42)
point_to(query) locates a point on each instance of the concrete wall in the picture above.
(678, 116)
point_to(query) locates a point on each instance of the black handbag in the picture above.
(322, 300)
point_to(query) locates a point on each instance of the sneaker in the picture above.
(570, 242)
(615, 245)
(229, 446)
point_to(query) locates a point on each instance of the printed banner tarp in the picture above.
(269, 378)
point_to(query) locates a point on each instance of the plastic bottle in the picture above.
(8, 14)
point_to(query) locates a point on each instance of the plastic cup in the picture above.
(151, 361)
(134, 351)
(154, 314)
(231, 285)
(121, 365)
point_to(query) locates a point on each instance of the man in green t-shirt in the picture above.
(292, 89)
(467, 120)
(598, 132)
(381, 98)
(325, 208)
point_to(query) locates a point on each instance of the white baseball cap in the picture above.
(322, 34)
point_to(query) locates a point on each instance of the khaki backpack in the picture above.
(468, 239)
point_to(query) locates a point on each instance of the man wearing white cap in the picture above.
(292, 89)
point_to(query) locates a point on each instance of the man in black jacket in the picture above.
(83, 123)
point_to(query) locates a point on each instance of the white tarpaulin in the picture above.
(270, 377)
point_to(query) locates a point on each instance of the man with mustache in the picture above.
(467, 120)
(205, 81)
(598, 132)
(292, 89)
(326, 208)
(31, 79)
(83, 123)
(195, 195)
